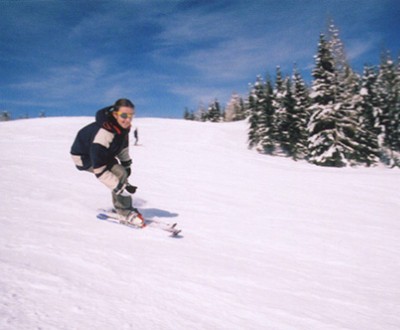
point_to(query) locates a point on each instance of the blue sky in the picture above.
(72, 57)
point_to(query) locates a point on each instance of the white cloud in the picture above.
(196, 94)
(231, 43)
(358, 47)
(92, 81)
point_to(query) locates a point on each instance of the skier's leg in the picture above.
(122, 204)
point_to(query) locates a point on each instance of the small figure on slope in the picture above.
(102, 148)
(136, 136)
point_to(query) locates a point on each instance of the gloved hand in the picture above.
(130, 189)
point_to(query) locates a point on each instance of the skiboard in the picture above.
(112, 216)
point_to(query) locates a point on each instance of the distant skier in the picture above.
(136, 136)
(102, 148)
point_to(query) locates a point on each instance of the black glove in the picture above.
(130, 189)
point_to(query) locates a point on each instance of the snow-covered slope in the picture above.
(268, 243)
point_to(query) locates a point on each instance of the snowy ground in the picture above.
(268, 243)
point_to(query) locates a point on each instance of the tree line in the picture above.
(234, 110)
(341, 119)
(6, 115)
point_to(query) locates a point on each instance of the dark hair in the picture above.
(122, 103)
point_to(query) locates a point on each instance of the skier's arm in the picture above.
(125, 160)
(124, 156)
(102, 161)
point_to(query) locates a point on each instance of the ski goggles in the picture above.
(125, 115)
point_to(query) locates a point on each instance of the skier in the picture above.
(102, 148)
(136, 136)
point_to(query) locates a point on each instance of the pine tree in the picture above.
(235, 108)
(369, 103)
(254, 113)
(201, 113)
(346, 85)
(288, 121)
(388, 99)
(243, 112)
(214, 112)
(280, 104)
(356, 123)
(260, 116)
(348, 113)
(188, 115)
(338, 53)
(323, 145)
(396, 116)
(368, 125)
(267, 120)
(299, 117)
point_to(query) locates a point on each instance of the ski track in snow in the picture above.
(268, 243)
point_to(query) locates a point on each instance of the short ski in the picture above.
(112, 216)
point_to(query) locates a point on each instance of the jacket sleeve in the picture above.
(102, 160)
(124, 157)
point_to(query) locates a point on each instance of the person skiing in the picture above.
(102, 148)
(136, 136)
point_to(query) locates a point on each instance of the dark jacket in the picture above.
(99, 145)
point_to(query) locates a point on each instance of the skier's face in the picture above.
(124, 116)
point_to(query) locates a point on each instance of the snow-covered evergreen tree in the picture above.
(280, 103)
(201, 113)
(370, 104)
(243, 112)
(323, 141)
(368, 124)
(388, 98)
(267, 120)
(397, 111)
(338, 53)
(288, 144)
(352, 135)
(346, 85)
(336, 137)
(261, 116)
(235, 109)
(214, 112)
(299, 117)
(254, 112)
(357, 143)
(188, 115)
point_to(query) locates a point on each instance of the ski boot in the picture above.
(135, 218)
